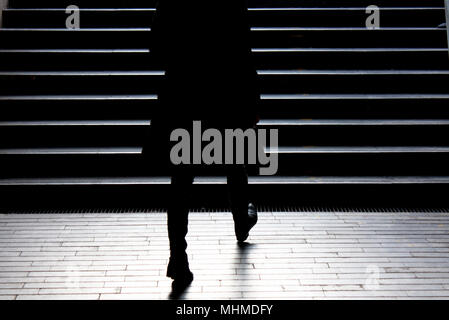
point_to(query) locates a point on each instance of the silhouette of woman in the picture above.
(204, 47)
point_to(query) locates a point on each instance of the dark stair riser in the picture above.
(314, 165)
(359, 83)
(260, 39)
(387, 135)
(76, 61)
(79, 84)
(216, 196)
(289, 136)
(392, 164)
(363, 38)
(34, 166)
(352, 60)
(134, 109)
(263, 60)
(68, 39)
(73, 136)
(299, 83)
(361, 108)
(282, 18)
(102, 109)
(251, 3)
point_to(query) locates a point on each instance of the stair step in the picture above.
(351, 58)
(364, 50)
(81, 30)
(327, 29)
(345, 16)
(355, 150)
(280, 150)
(251, 9)
(75, 123)
(317, 132)
(350, 122)
(138, 73)
(61, 38)
(85, 51)
(281, 97)
(73, 133)
(146, 97)
(271, 81)
(353, 96)
(262, 123)
(344, 107)
(348, 72)
(142, 17)
(277, 37)
(363, 164)
(339, 3)
(272, 106)
(79, 82)
(261, 37)
(251, 3)
(76, 59)
(347, 133)
(354, 81)
(71, 151)
(289, 164)
(347, 180)
(328, 58)
(221, 180)
(277, 58)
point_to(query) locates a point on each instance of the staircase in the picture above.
(362, 114)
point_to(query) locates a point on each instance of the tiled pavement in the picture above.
(288, 256)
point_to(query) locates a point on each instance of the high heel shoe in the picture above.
(242, 229)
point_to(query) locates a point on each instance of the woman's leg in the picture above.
(244, 214)
(177, 221)
(238, 191)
